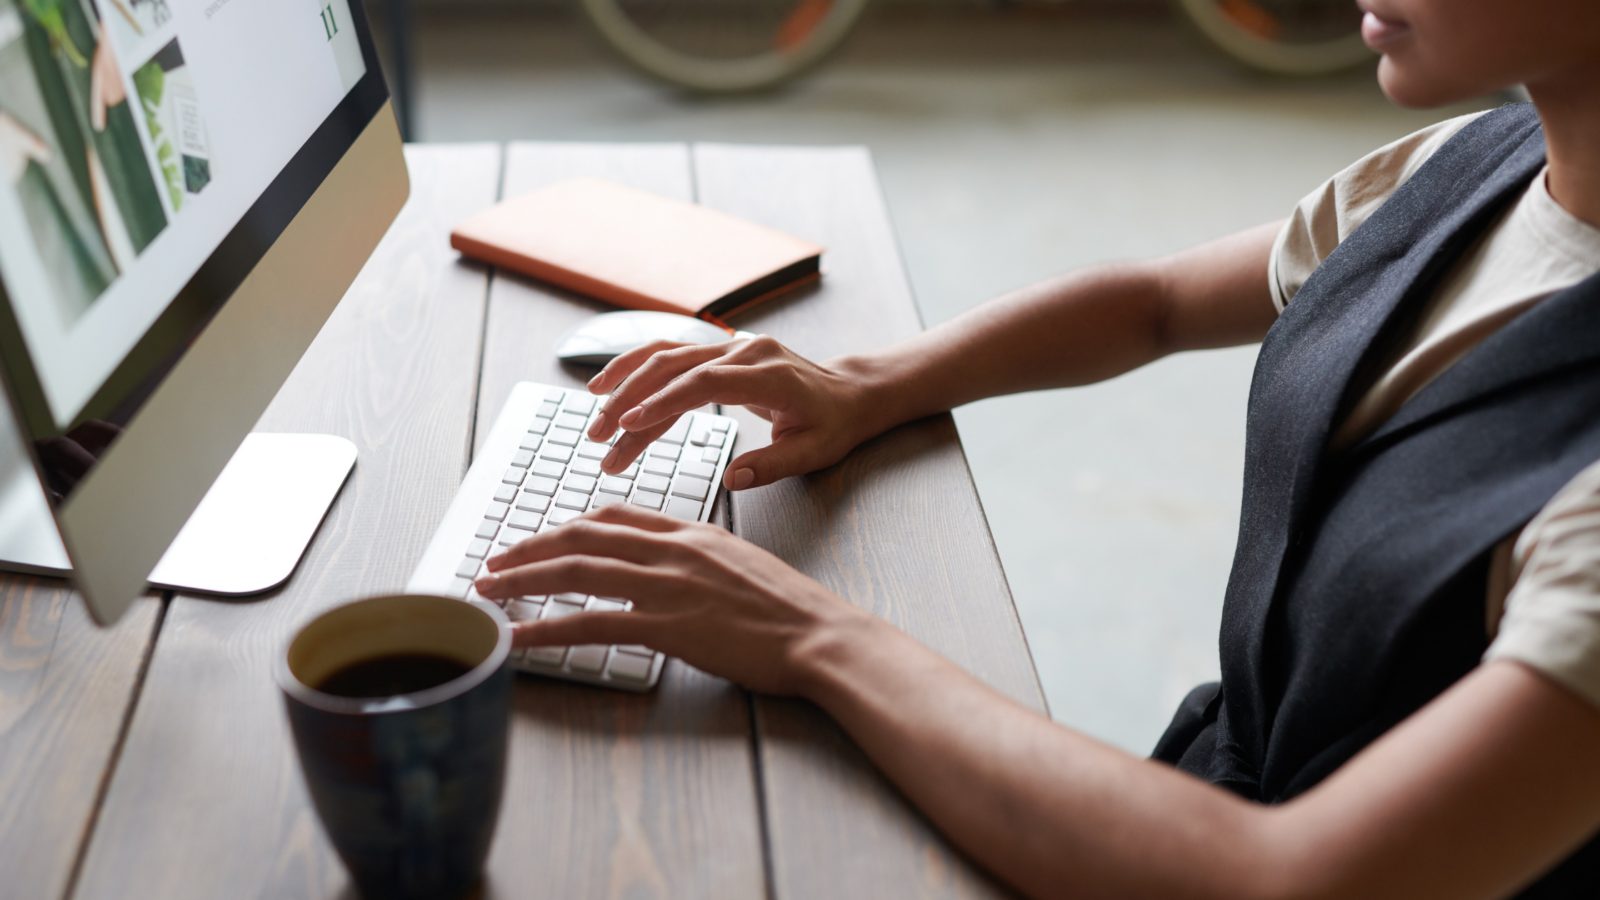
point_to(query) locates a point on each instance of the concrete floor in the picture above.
(1013, 144)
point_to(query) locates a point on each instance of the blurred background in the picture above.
(1013, 141)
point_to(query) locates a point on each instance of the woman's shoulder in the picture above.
(1341, 204)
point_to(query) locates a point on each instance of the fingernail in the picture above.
(610, 462)
(631, 416)
(599, 426)
(486, 584)
(595, 380)
(742, 479)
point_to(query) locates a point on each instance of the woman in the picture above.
(1410, 701)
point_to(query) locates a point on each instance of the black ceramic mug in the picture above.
(400, 708)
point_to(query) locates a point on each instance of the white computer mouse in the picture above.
(597, 341)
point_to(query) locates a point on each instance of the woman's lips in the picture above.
(1379, 32)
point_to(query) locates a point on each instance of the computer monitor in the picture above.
(186, 192)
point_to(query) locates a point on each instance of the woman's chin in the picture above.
(1411, 90)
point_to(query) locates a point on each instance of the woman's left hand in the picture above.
(719, 603)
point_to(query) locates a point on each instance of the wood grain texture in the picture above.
(207, 800)
(613, 794)
(65, 690)
(896, 527)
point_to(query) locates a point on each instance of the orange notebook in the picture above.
(639, 250)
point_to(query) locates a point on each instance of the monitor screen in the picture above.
(150, 151)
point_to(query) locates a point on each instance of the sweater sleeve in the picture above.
(1552, 613)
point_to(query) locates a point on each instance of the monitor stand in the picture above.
(244, 538)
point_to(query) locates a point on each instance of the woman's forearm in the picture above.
(1076, 329)
(1042, 806)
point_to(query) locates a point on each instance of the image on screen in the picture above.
(134, 135)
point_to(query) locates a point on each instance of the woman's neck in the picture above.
(1571, 116)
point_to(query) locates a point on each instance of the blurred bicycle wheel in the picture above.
(1287, 37)
(724, 46)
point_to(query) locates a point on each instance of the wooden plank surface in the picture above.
(896, 528)
(609, 794)
(66, 687)
(207, 800)
(626, 795)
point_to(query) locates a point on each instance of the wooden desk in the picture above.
(153, 760)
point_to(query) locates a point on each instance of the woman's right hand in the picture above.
(818, 413)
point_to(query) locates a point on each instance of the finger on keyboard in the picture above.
(628, 447)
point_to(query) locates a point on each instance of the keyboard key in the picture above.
(573, 500)
(527, 520)
(635, 650)
(583, 484)
(720, 424)
(630, 668)
(523, 459)
(592, 450)
(487, 529)
(698, 470)
(600, 604)
(545, 656)
(589, 659)
(678, 432)
(531, 441)
(556, 452)
(583, 466)
(572, 599)
(711, 455)
(510, 537)
(497, 511)
(523, 611)
(513, 475)
(603, 500)
(611, 484)
(705, 437)
(538, 484)
(539, 427)
(478, 548)
(683, 508)
(566, 437)
(546, 409)
(468, 568)
(572, 420)
(691, 487)
(549, 468)
(663, 450)
(505, 493)
(532, 501)
(560, 517)
(647, 499)
(460, 587)
(657, 483)
(657, 466)
(579, 402)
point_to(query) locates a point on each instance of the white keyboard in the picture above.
(538, 470)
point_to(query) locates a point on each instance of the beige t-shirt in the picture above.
(1543, 604)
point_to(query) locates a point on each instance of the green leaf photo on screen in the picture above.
(173, 121)
(90, 199)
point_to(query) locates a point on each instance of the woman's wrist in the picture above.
(884, 390)
(821, 661)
